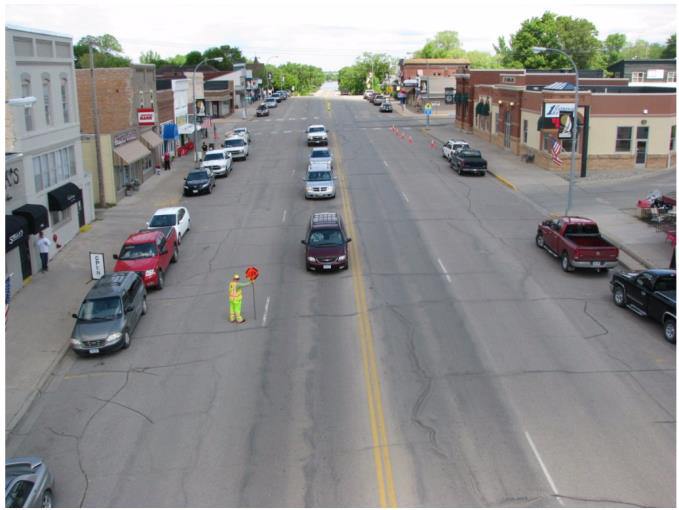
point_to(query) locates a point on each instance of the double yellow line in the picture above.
(385, 478)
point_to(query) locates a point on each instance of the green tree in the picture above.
(152, 57)
(445, 44)
(670, 50)
(193, 58)
(106, 51)
(642, 49)
(482, 60)
(612, 48)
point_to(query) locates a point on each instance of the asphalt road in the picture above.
(454, 364)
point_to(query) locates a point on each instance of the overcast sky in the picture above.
(326, 33)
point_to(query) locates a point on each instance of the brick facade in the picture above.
(114, 99)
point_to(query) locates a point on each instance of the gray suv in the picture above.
(109, 314)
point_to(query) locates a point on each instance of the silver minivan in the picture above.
(320, 181)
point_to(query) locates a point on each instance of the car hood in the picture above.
(235, 149)
(326, 251)
(320, 160)
(135, 265)
(96, 330)
(320, 183)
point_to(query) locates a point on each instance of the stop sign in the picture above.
(251, 273)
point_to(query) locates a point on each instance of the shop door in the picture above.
(508, 129)
(640, 159)
(25, 256)
(81, 213)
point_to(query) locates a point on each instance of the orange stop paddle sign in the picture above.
(251, 273)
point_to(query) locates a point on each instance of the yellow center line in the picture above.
(385, 479)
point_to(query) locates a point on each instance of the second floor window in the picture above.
(64, 99)
(638, 76)
(28, 112)
(46, 100)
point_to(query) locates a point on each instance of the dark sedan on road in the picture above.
(198, 182)
(262, 111)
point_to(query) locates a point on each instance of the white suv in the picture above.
(317, 135)
(237, 146)
(219, 161)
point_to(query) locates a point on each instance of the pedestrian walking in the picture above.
(236, 298)
(166, 160)
(43, 245)
(204, 148)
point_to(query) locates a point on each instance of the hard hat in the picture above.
(236, 277)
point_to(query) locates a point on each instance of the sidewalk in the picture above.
(641, 246)
(39, 323)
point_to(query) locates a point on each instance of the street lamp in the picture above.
(195, 104)
(540, 49)
(267, 72)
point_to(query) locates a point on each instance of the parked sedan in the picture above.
(271, 102)
(243, 133)
(198, 182)
(177, 217)
(386, 107)
(262, 111)
(28, 483)
(321, 155)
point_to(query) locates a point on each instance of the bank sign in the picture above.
(553, 110)
(146, 116)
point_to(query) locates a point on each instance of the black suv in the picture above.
(326, 243)
(109, 314)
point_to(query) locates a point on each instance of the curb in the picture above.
(503, 180)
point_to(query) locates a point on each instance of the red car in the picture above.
(149, 253)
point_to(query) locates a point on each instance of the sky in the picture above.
(328, 34)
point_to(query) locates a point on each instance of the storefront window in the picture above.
(623, 140)
(54, 167)
(57, 217)
(672, 135)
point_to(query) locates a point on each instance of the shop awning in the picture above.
(16, 231)
(132, 151)
(36, 216)
(64, 197)
(152, 139)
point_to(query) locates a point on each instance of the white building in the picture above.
(46, 187)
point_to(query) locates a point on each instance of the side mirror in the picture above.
(115, 256)
(303, 241)
(129, 309)
(163, 251)
(147, 224)
(74, 315)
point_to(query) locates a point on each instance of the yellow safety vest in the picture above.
(235, 293)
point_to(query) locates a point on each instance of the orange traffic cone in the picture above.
(433, 145)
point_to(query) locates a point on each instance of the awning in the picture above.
(64, 196)
(16, 231)
(36, 216)
(132, 151)
(152, 139)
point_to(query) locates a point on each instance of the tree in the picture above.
(670, 50)
(612, 48)
(482, 60)
(356, 78)
(193, 58)
(152, 57)
(445, 44)
(106, 51)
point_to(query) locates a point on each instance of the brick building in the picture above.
(619, 126)
(129, 137)
(430, 77)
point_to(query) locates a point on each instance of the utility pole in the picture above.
(97, 143)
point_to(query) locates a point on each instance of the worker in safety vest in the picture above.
(236, 298)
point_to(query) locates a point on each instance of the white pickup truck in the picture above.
(317, 135)
(453, 146)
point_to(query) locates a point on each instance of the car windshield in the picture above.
(100, 309)
(137, 251)
(197, 176)
(234, 143)
(316, 130)
(326, 237)
(470, 154)
(163, 220)
(666, 283)
(212, 157)
(324, 153)
(261, 107)
(240, 131)
(318, 176)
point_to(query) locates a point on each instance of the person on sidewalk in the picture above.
(236, 298)
(166, 160)
(204, 148)
(43, 245)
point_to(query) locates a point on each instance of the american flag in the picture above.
(556, 150)
(8, 295)
(207, 123)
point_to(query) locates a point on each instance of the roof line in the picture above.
(36, 31)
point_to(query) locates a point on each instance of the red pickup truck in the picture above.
(149, 253)
(577, 242)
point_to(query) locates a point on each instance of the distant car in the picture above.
(468, 161)
(28, 483)
(149, 253)
(262, 111)
(319, 181)
(271, 102)
(452, 146)
(651, 293)
(282, 93)
(109, 314)
(317, 135)
(199, 181)
(277, 96)
(377, 99)
(219, 161)
(321, 155)
(386, 107)
(237, 146)
(368, 94)
(344, 92)
(243, 133)
(177, 217)
(326, 243)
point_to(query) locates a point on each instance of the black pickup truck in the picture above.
(651, 293)
(468, 160)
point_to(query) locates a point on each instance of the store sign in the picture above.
(146, 116)
(97, 265)
(124, 138)
(553, 110)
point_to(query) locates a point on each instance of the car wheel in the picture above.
(670, 330)
(126, 340)
(161, 280)
(144, 306)
(188, 225)
(619, 296)
(175, 254)
(540, 241)
(565, 263)
(47, 500)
